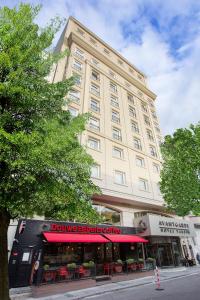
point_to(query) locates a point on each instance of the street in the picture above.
(182, 288)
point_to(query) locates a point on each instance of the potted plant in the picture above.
(46, 267)
(140, 263)
(131, 264)
(150, 263)
(71, 266)
(88, 266)
(118, 266)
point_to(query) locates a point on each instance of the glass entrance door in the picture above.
(165, 255)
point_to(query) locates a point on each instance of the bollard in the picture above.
(157, 279)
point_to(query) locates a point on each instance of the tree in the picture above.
(180, 177)
(43, 168)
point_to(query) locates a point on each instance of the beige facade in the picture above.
(123, 133)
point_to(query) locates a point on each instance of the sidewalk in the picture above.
(86, 288)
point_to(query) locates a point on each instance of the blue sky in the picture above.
(162, 38)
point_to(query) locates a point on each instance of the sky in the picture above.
(161, 38)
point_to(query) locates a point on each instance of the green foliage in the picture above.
(130, 261)
(180, 177)
(71, 266)
(43, 168)
(119, 262)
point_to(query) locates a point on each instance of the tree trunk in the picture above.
(4, 283)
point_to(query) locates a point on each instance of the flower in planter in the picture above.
(130, 261)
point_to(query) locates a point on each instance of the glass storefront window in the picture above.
(110, 216)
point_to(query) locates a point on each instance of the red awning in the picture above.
(53, 237)
(120, 238)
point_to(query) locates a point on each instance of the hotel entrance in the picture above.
(165, 257)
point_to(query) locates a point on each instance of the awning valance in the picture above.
(53, 237)
(120, 238)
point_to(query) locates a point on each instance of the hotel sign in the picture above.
(84, 229)
(154, 225)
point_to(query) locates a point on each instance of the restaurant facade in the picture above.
(46, 251)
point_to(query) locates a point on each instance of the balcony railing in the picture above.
(117, 136)
(114, 103)
(94, 91)
(94, 127)
(79, 55)
(77, 67)
(74, 98)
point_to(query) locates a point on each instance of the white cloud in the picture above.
(167, 52)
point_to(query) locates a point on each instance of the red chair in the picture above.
(63, 273)
(81, 271)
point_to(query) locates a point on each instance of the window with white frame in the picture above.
(94, 105)
(137, 143)
(79, 53)
(94, 123)
(120, 177)
(95, 75)
(116, 134)
(93, 143)
(73, 111)
(95, 62)
(150, 135)
(156, 168)
(106, 51)
(153, 114)
(95, 89)
(115, 116)
(144, 106)
(153, 151)
(132, 111)
(77, 78)
(130, 98)
(77, 65)
(140, 162)
(74, 96)
(114, 101)
(134, 127)
(113, 87)
(117, 152)
(111, 73)
(143, 184)
(96, 171)
(93, 41)
(146, 120)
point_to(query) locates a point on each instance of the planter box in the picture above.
(118, 268)
(132, 267)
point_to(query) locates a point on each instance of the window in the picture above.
(109, 216)
(153, 114)
(127, 84)
(77, 65)
(120, 62)
(144, 106)
(134, 127)
(139, 76)
(132, 111)
(94, 105)
(77, 79)
(115, 116)
(94, 123)
(95, 171)
(79, 53)
(156, 168)
(157, 129)
(93, 41)
(93, 143)
(95, 89)
(116, 134)
(114, 101)
(73, 111)
(74, 96)
(111, 74)
(130, 98)
(140, 93)
(131, 71)
(140, 162)
(106, 51)
(146, 120)
(118, 152)
(113, 87)
(143, 184)
(94, 61)
(120, 177)
(153, 151)
(151, 102)
(137, 144)
(150, 135)
(95, 75)
(81, 32)
(159, 140)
